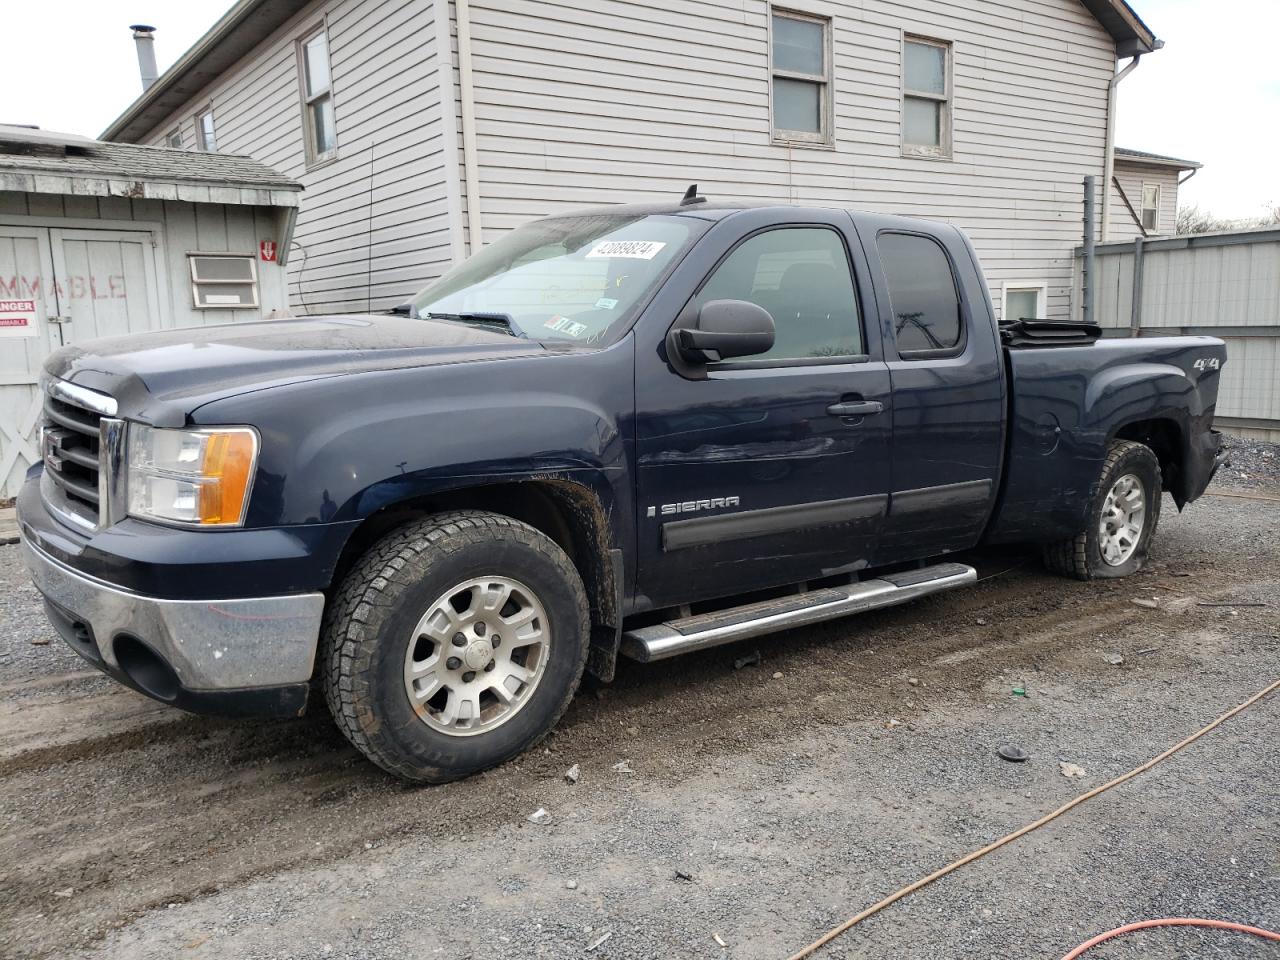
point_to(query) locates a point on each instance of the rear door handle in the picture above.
(855, 408)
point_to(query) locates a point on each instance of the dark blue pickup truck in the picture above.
(639, 430)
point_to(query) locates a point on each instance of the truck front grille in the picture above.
(71, 450)
(77, 424)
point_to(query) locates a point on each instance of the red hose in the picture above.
(1170, 922)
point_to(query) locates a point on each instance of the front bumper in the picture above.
(231, 656)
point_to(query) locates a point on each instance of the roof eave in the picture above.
(1133, 37)
(168, 86)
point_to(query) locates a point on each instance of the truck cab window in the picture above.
(801, 276)
(922, 293)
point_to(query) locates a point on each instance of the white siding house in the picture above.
(456, 120)
(1144, 194)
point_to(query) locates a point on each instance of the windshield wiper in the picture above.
(487, 319)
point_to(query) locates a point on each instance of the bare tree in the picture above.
(1193, 219)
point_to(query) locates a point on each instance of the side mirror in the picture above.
(725, 328)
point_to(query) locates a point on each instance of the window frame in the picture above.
(686, 318)
(200, 114)
(1142, 207)
(1040, 287)
(313, 157)
(929, 353)
(197, 282)
(943, 151)
(175, 134)
(825, 137)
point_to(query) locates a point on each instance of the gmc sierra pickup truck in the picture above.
(636, 430)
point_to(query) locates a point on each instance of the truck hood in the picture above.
(160, 377)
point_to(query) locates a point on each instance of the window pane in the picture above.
(208, 139)
(225, 295)
(797, 105)
(1150, 195)
(798, 46)
(921, 122)
(926, 68)
(922, 292)
(316, 54)
(1022, 305)
(222, 268)
(322, 125)
(801, 276)
(174, 140)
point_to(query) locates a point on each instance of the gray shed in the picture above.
(99, 239)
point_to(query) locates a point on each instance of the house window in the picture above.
(801, 66)
(922, 295)
(317, 96)
(926, 97)
(223, 281)
(1151, 206)
(174, 139)
(1024, 302)
(206, 135)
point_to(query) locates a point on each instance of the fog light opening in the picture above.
(145, 668)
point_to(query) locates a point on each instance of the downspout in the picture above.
(449, 131)
(470, 165)
(1109, 163)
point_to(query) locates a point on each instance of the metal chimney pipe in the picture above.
(144, 38)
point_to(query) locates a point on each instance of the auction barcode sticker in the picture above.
(627, 249)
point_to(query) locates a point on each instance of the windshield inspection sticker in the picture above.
(565, 325)
(606, 303)
(627, 249)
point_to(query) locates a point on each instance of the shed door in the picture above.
(86, 284)
(107, 283)
(26, 273)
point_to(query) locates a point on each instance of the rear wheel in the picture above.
(1121, 520)
(454, 644)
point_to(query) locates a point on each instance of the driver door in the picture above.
(750, 473)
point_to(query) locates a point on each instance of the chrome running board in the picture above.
(674, 637)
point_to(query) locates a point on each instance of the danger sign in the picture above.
(18, 318)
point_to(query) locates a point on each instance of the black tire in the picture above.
(1081, 556)
(370, 619)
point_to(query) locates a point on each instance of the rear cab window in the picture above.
(928, 319)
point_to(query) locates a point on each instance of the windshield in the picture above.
(576, 279)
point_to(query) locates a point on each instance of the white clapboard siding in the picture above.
(372, 225)
(621, 100)
(617, 101)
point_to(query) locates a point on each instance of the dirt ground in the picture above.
(760, 809)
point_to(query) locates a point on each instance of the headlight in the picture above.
(198, 477)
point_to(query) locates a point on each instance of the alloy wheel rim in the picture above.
(1124, 514)
(476, 656)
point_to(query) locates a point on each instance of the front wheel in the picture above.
(454, 644)
(1121, 519)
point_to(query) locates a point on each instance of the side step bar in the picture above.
(674, 637)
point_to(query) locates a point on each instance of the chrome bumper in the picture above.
(209, 644)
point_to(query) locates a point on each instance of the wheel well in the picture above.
(566, 512)
(1164, 437)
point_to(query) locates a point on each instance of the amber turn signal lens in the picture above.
(227, 470)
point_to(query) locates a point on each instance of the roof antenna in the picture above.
(691, 196)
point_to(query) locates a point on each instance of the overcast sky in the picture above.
(1212, 94)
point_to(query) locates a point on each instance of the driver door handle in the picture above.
(855, 408)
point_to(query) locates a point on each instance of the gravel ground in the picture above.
(760, 809)
(1254, 465)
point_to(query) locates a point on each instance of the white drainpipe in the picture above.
(1109, 164)
(470, 165)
